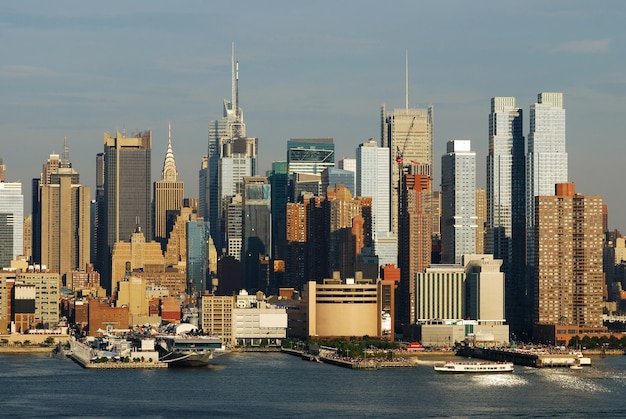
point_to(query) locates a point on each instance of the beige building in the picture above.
(47, 294)
(132, 293)
(474, 290)
(168, 194)
(356, 307)
(65, 223)
(568, 277)
(28, 237)
(216, 316)
(137, 252)
(481, 219)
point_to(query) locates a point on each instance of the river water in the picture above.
(275, 385)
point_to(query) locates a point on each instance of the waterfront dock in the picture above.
(535, 359)
(82, 354)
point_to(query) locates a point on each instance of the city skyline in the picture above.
(62, 77)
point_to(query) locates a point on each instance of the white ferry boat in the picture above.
(463, 367)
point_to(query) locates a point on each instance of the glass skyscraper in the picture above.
(127, 192)
(197, 256)
(458, 201)
(546, 165)
(11, 222)
(506, 205)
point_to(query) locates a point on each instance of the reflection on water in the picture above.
(573, 380)
(498, 380)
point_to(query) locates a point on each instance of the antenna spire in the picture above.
(406, 81)
(66, 154)
(237, 89)
(233, 85)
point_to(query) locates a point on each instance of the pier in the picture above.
(535, 359)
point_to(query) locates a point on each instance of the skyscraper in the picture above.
(65, 209)
(546, 165)
(332, 176)
(197, 256)
(168, 195)
(568, 275)
(372, 180)
(458, 201)
(257, 232)
(506, 205)
(310, 155)
(237, 161)
(47, 169)
(127, 166)
(229, 127)
(11, 222)
(414, 239)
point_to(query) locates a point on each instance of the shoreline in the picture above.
(26, 349)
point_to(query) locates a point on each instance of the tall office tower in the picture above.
(64, 209)
(350, 165)
(372, 179)
(127, 166)
(203, 185)
(229, 127)
(234, 226)
(98, 213)
(458, 201)
(372, 169)
(237, 161)
(506, 202)
(198, 236)
(169, 193)
(310, 155)
(47, 169)
(176, 252)
(568, 263)
(301, 184)
(414, 239)
(257, 232)
(481, 218)
(279, 181)
(296, 233)
(546, 165)
(410, 142)
(318, 237)
(3, 170)
(346, 224)
(331, 177)
(436, 227)
(11, 222)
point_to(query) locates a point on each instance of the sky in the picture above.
(76, 69)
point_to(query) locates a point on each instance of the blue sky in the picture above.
(307, 69)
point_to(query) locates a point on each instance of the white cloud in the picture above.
(585, 46)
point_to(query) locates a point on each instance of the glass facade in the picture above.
(458, 201)
(197, 256)
(11, 222)
(310, 155)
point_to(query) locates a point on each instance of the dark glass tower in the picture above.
(127, 166)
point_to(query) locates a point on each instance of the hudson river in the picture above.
(258, 385)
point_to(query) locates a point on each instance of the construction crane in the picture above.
(400, 154)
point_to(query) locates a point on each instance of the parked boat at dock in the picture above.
(463, 367)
